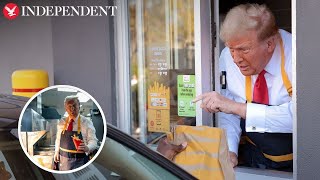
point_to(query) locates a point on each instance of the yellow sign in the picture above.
(158, 120)
(158, 108)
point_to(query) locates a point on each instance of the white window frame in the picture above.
(122, 57)
(203, 57)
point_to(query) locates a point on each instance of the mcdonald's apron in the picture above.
(268, 150)
(70, 158)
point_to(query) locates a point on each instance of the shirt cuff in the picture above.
(233, 143)
(233, 147)
(256, 118)
(91, 147)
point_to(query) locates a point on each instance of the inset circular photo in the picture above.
(62, 129)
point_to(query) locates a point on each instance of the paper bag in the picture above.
(207, 154)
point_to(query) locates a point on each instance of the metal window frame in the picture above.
(203, 57)
(122, 63)
(142, 100)
(294, 86)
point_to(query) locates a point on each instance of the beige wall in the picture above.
(24, 46)
(83, 49)
(25, 43)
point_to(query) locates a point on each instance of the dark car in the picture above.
(122, 156)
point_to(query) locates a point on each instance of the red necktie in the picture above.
(260, 91)
(70, 126)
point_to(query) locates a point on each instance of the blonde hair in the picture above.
(248, 17)
(71, 98)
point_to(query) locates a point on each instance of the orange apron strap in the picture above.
(284, 75)
(65, 125)
(285, 78)
(248, 89)
(79, 126)
(280, 158)
(70, 151)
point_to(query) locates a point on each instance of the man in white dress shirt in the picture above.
(74, 127)
(257, 101)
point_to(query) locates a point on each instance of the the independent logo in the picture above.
(11, 11)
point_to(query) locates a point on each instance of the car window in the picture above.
(125, 163)
(140, 161)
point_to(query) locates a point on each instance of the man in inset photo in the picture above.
(76, 137)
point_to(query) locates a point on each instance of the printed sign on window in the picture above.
(186, 93)
(158, 108)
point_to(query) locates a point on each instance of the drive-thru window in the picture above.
(173, 56)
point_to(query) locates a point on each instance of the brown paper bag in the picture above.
(207, 154)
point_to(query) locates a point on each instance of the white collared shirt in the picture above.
(277, 117)
(87, 130)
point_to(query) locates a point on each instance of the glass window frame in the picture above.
(203, 54)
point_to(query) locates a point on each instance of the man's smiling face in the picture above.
(72, 108)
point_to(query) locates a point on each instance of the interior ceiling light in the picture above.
(82, 97)
(65, 89)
